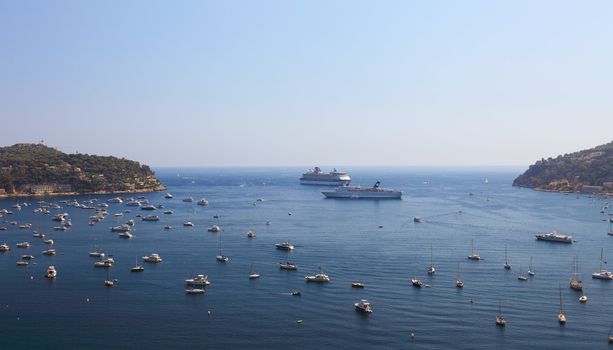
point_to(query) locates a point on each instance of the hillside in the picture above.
(589, 170)
(38, 169)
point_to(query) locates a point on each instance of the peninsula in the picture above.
(35, 169)
(587, 171)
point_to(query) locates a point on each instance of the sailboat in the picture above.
(602, 274)
(109, 282)
(500, 321)
(575, 281)
(521, 276)
(609, 336)
(506, 265)
(610, 233)
(137, 267)
(431, 270)
(416, 282)
(472, 255)
(253, 275)
(561, 315)
(220, 257)
(531, 269)
(458, 281)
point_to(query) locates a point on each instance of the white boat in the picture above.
(23, 245)
(198, 280)
(250, 234)
(561, 315)
(115, 200)
(363, 306)
(188, 200)
(320, 277)
(104, 263)
(96, 253)
(38, 235)
(151, 218)
(253, 275)
(168, 212)
(531, 269)
(153, 258)
(284, 246)
(167, 227)
(168, 196)
(602, 274)
(554, 237)
(51, 272)
(417, 282)
(288, 266)
(49, 252)
(317, 177)
(214, 228)
(188, 224)
(121, 228)
(203, 202)
(458, 281)
(126, 234)
(4, 247)
(583, 298)
(22, 263)
(137, 267)
(27, 257)
(60, 228)
(194, 290)
(521, 276)
(356, 192)
(148, 207)
(473, 255)
(49, 241)
(133, 203)
(431, 270)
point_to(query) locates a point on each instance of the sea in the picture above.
(374, 242)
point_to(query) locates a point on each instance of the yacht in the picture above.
(356, 192)
(554, 237)
(168, 196)
(4, 247)
(416, 282)
(148, 207)
(60, 228)
(252, 274)
(27, 257)
(49, 252)
(96, 253)
(473, 255)
(357, 285)
(118, 215)
(104, 263)
(121, 228)
(130, 222)
(49, 241)
(168, 212)
(23, 245)
(521, 276)
(126, 234)
(284, 246)
(153, 258)
(198, 280)
(115, 200)
(214, 228)
(288, 266)
(151, 218)
(363, 306)
(188, 200)
(320, 277)
(203, 202)
(188, 224)
(167, 227)
(194, 290)
(602, 274)
(250, 234)
(133, 203)
(22, 263)
(38, 234)
(317, 177)
(51, 272)
(531, 269)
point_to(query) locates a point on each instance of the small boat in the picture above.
(203, 202)
(168, 196)
(188, 200)
(561, 315)
(49, 241)
(531, 269)
(130, 222)
(167, 227)
(121, 228)
(137, 268)
(153, 258)
(295, 293)
(458, 281)
(284, 246)
(417, 282)
(583, 298)
(109, 283)
(431, 270)
(357, 285)
(473, 255)
(250, 234)
(320, 277)
(500, 321)
(194, 290)
(253, 275)
(23, 245)
(151, 218)
(104, 263)
(363, 306)
(51, 272)
(168, 212)
(188, 224)
(96, 253)
(602, 274)
(506, 265)
(60, 228)
(38, 235)
(27, 257)
(418, 219)
(4, 247)
(49, 252)
(126, 235)
(288, 266)
(148, 207)
(198, 280)
(220, 257)
(609, 336)
(22, 263)
(214, 228)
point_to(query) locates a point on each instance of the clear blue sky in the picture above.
(306, 83)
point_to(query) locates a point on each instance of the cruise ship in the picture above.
(318, 177)
(356, 192)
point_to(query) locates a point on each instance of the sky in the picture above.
(288, 83)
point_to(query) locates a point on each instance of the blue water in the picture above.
(151, 309)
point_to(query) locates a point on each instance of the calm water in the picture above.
(151, 309)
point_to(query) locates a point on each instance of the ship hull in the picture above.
(324, 182)
(385, 195)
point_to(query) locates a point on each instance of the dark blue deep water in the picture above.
(151, 309)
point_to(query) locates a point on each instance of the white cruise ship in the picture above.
(318, 177)
(356, 192)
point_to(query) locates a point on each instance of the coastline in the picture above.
(599, 194)
(59, 194)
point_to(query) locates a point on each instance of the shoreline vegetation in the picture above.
(35, 170)
(588, 171)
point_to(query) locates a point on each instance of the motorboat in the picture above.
(167, 227)
(133, 203)
(168, 212)
(130, 222)
(168, 196)
(96, 253)
(198, 280)
(115, 200)
(284, 246)
(288, 266)
(363, 306)
(104, 263)
(251, 234)
(295, 293)
(203, 202)
(27, 257)
(357, 285)
(148, 207)
(418, 219)
(153, 258)
(121, 228)
(126, 234)
(417, 282)
(188, 224)
(23, 245)
(49, 252)
(51, 272)
(4, 247)
(188, 200)
(151, 218)
(38, 235)
(583, 298)
(49, 241)
(214, 228)
(222, 258)
(60, 228)
(320, 277)
(22, 263)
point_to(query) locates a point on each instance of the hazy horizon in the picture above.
(274, 83)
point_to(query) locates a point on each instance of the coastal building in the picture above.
(591, 189)
(39, 189)
(2, 191)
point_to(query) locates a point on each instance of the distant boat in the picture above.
(583, 298)
(251, 234)
(531, 269)
(363, 306)
(521, 275)
(253, 274)
(506, 265)
(458, 281)
(284, 246)
(357, 285)
(561, 315)
(473, 255)
(168, 196)
(500, 321)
